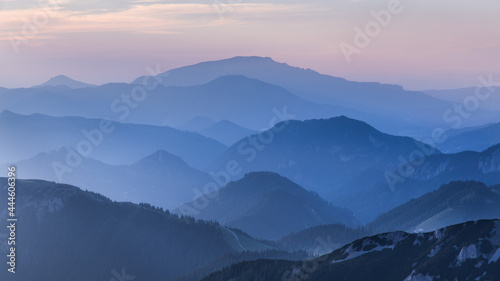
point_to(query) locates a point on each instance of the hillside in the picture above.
(468, 251)
(144, 241)
(321, 239)
(266, 205)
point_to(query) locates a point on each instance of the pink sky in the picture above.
(426, 45)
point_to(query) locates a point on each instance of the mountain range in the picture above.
(414, 179)
(161, 179)
(336, 157)
(267, 206)
(308, 84)
(453, 203)
(109, 142)
(250, 87)
(226, 132)
(467, 251)
(115, 240)
(345, 161)
(486, 94)
(250, 169)
(250, 103)
(473, 139)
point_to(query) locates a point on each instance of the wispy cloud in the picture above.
(139, 18)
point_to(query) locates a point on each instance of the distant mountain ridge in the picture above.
(109, 142)
(226, 132)
(247, 102)
(453, 203)
(475, 139)
(370, 97)
(429, 175)
(488, 90)
(161, 179)
(62, 80)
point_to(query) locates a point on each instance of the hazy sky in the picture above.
(425, 45)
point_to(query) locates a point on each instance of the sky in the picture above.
(419, 44)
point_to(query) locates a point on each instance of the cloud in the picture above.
(150, 19)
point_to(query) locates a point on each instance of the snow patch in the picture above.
(393, 239)
(353, 253)
(417, 242)
(495, 234)
(418, 277)
(479, 278)
(438, 234)
(434, 251)
(469, 252)
(495, 256)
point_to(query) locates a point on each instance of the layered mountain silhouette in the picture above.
(250, 103)
(414, 179)
(486, 94)
(267, 205)
(269, 172)
(467, 251)
(474, 139)
(179, 87)
(332, 157)
(161, 179)
(197, 124)
(226, 132)
(115, 240)
(453, 203)
(108, 142)
(375, 98)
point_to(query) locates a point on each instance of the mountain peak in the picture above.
(7, 113)
(270, 206)
(251, 58)
(161, 157)
(62, 80)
